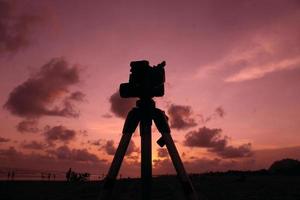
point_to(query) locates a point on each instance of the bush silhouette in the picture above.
(286, 167)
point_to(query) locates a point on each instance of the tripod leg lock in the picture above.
(161, 142)
(161, 122)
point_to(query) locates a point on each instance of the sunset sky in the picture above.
(232, 81)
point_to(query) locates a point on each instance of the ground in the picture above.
(209, 187)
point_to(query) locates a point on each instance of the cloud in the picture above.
(256, 72)
(271, 45)
(61, 153)
(98, 142)
(34, 145)
(15, 28)
(121, 106)
(132, 148)
(261, 159)
(83, 133)
(205, 137)
(162, 153)
(59, 134)
(218, 113)
(3, 140)
(213, 140)
(181, 117)
(76, 96)
(243, 150)
(59, 159)
(28, 126)
(130, 167)
(11, 153)
(109, 147)
(65, 153)
(107, 115)
(202, 165)
(39, 95)
(163, 166)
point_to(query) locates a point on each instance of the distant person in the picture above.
(49, 177)
(68, 174)
(12, 175)
(54, 177)
(8, 175)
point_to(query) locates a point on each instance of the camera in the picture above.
(144, 81)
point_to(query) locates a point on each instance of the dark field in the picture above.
(211, 187)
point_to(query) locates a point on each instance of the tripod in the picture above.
(144, 112)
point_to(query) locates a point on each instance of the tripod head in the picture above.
(144, 81)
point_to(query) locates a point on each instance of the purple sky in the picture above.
(233, 76)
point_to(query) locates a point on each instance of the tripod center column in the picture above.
(146, 107)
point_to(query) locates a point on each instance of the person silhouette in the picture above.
(8, 175)
(12, 175)
(68, 174)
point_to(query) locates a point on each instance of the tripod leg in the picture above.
(130, 125)
(160, 120)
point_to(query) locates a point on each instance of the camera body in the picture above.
(144, 81)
